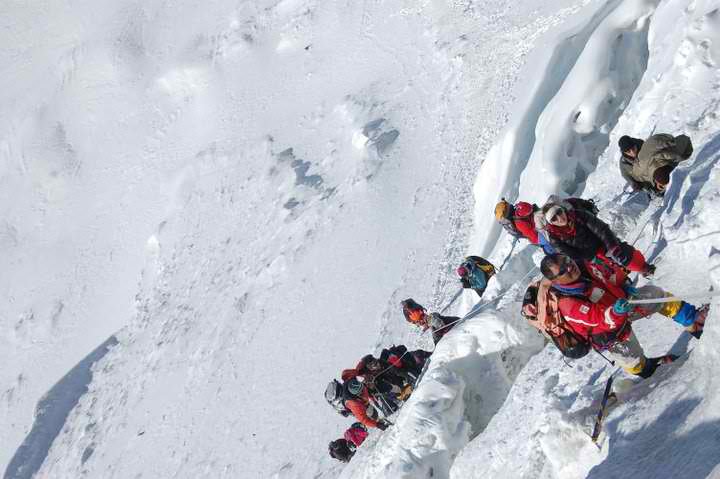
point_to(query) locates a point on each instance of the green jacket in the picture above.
(658, 151)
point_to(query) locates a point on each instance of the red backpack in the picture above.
(507, 214)
(356, 433)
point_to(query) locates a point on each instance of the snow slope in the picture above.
(255, 194)
(208, 212)
(220, 208)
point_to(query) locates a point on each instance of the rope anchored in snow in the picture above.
(478, 308)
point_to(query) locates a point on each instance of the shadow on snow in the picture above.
(51, 413)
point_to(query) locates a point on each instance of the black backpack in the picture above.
(581, 204)
(341, 449)
(335, 396)
(399, 351)
(571, 345)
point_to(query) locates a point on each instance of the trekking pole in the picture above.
(612, 363)
(623, 193)
(670, 299)
(454, 298)
(642, 230)
(512, 248)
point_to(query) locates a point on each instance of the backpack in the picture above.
(335, 396)
(569, 343)
(507, 214)
(395, 355)
(341, 449)
(504, 214)
(581, 204)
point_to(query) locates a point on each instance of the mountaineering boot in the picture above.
(696, 328)
(651, 364)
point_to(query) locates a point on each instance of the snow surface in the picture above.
(209, 212)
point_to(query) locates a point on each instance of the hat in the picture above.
(625, 143)
(462, 271)
(503, 210)
(354, 386)
(531, 295)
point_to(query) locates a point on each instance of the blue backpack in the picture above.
(476, 277)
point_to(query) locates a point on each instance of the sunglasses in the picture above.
(564, 265)
(557, 215)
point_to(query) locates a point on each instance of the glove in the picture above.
(621, 254)
(593, 207)
(622, 306)
(630, 290)
(383, 424)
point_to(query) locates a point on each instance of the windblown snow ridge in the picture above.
(565, 114)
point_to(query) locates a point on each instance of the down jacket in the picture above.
(587, 305)
(657, 151)
(583, 238)
(362, 409)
